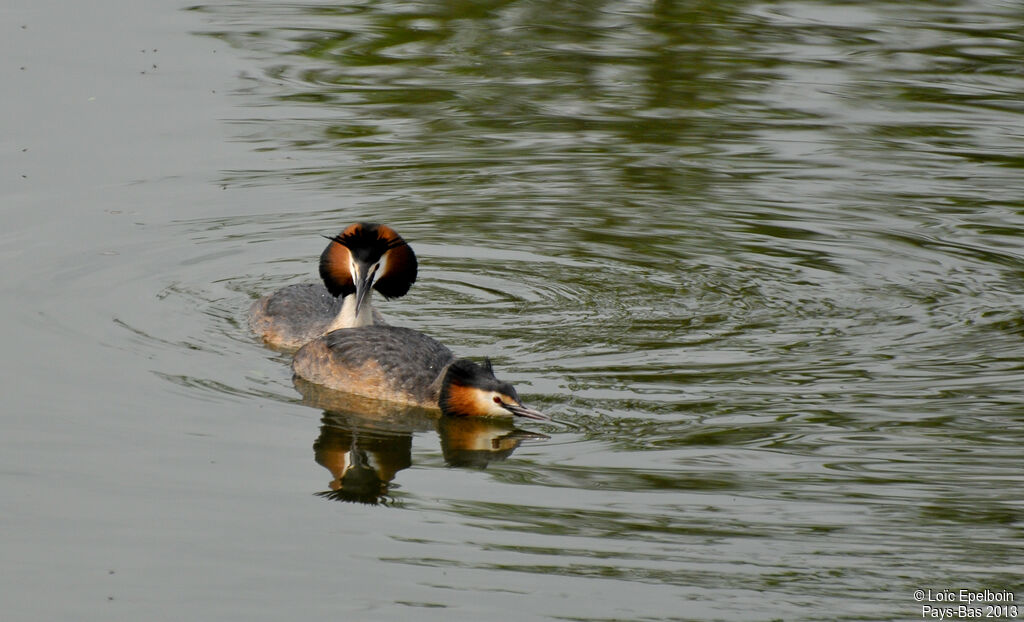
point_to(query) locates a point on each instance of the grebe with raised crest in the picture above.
(363, 257)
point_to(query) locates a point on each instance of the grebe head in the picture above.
(368, 256)
(472, 390)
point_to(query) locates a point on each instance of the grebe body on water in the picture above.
(402, 365)
(363, 257)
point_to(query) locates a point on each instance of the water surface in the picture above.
(760, 260)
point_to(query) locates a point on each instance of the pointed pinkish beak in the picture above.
(522, 411)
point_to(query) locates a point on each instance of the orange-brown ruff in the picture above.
(363, 257)
(405, 366)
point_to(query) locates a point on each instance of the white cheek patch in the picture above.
(383, 266)
(495, 409)
(482, 404)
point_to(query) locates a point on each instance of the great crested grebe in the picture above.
(402, 365)
(364, 256)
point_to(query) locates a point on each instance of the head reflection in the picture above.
(475, 443)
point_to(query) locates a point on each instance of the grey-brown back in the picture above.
(387, 362)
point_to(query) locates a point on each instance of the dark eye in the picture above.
(497, 400)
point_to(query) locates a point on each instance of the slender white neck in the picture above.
(347, 317)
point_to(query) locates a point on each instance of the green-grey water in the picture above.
(761, 261)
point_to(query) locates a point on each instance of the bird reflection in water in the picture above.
(362, 459)
(364, 443)
(476, 443)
